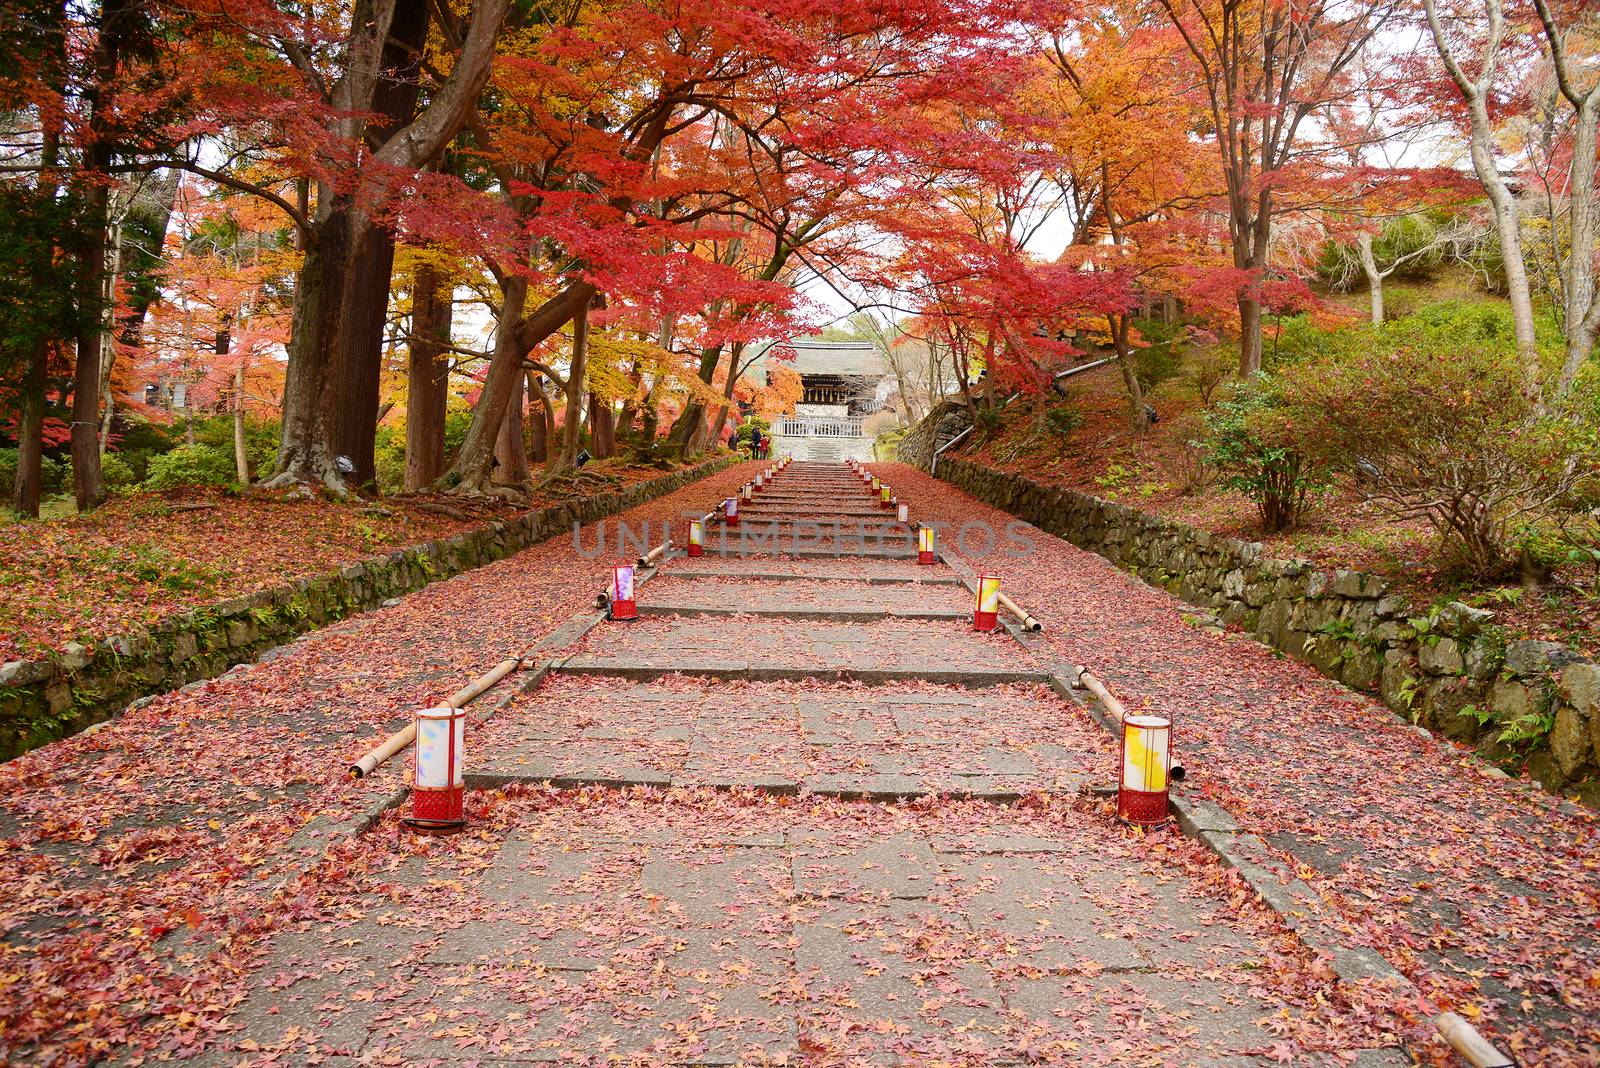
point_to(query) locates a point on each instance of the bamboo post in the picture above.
(657, 553)
(406, 735)
(1028, 622)
(1465, 1040)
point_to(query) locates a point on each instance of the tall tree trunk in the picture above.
(509, 449)
(471, 473)
(427, 378)
(310, 400)
(715, 434)
(1249, 333)
(359, 356)
(306, 446)
(1369, 267)
(520, 334)
(575, 376)
(28, 485)
(538, 419)
(358, 353)
(1138, 419)
(602, 428)
(29, 482)
(108, 301)
(241, 451)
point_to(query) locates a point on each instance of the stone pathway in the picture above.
(799, 813)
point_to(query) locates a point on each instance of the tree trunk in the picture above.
(87, 485)
(305, 450)
(538, 419)
(516, 337)
(358, 353)
(108, 340)
(29, 482)
(427, 379)
(1369, 267)
(1138, 420)
(602, 428)
(575, 376)
(510, 452)
(1249, 333)
(1582, 313)
(241, 451)
(471, 472)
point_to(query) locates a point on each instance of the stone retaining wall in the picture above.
(1450, 668)
(42, 700)
(947, 419)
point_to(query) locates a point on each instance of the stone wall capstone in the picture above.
(1450, 668)
(46, 699)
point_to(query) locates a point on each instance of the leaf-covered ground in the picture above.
(1485, 892)
(143, 557)
(137, 862)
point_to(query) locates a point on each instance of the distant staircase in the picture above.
(816, 439)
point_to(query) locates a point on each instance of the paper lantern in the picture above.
(875, 483)
(746, 491)
(886, 496)
(438, 785)
(1146, 766)
(697, 537)
(986, 614)
(925, 549)
(623, 606)
(903, 513)
(730, 511)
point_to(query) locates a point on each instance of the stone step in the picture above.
(804, 595)
(816, 570)
(786, 737)
(734, 647)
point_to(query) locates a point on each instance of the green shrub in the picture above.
(1430, 426)
(116, 472)
(55, 474)
(747, 427)
(1249, 444)
(1063, 419)
(389, 458)
(192, 465)
(1207, 368)
(1160, 359)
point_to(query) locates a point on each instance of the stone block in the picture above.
(76, 656)
(1530, 658)
(1364, 669)
(1459, 618)
(58, 697)
(1390, 606)
(1356, 584)
(1510, 700)
(1483, 657)
(1570, 743)
(1442, 657)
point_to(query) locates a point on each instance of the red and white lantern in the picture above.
(1146, 770)
(886, 496)
(623, 606)
(903, 513)
(730, 511)
(875, 484)
(438, 785)
(986, 614)
(697, 537)
(746, 491)
(925, 545)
